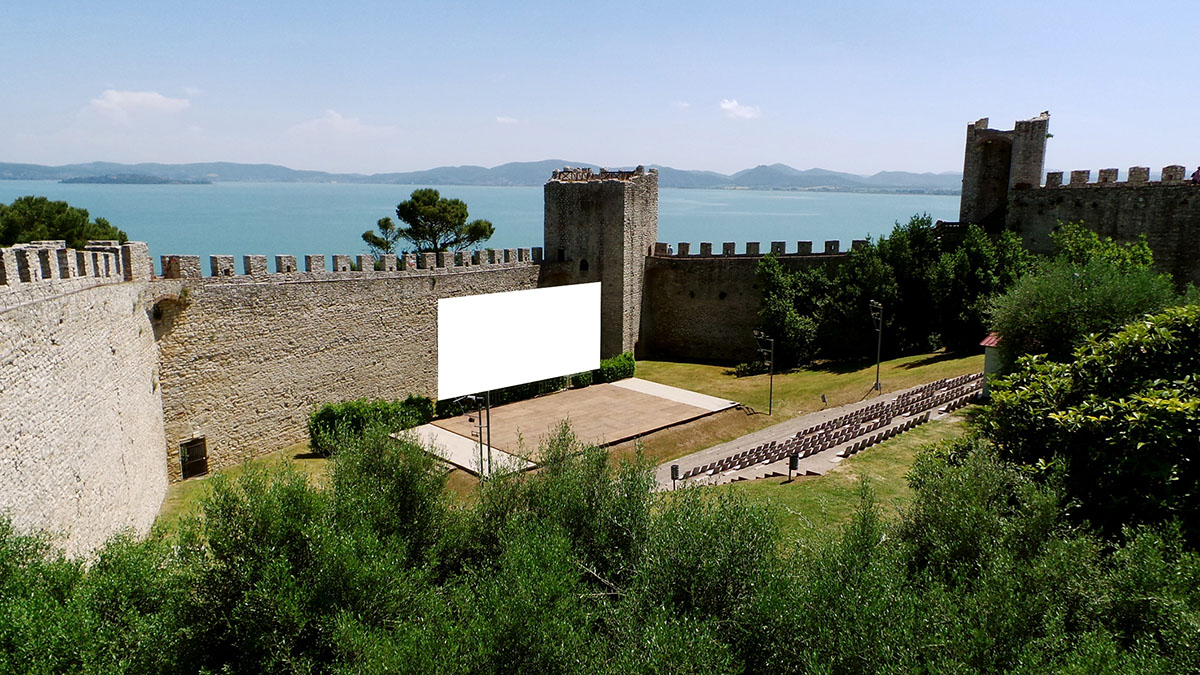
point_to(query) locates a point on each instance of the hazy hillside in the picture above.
(762, 177)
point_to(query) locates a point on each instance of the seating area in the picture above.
(870, 425)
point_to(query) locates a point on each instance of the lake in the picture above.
(327, 218)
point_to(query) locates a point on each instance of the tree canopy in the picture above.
(935, 292)
(434, 223)
(1121, 420)
(33, 218)
(1092, 285)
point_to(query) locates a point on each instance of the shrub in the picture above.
(1120, 422)
(750, 368)
(581, 380)
(352, 417)
(616, 368)
(1052, 310)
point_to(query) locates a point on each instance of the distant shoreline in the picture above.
(132, 179)
(101, 180)
(513, 174)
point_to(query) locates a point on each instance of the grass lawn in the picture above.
(185, 497)
(796, 393)
(823, 503)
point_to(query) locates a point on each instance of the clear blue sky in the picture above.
(397, 86)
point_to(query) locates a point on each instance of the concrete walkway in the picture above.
(464, 452)
(819, 463)
(709, 403)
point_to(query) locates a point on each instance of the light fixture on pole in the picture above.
(768, 352)
(877, 317)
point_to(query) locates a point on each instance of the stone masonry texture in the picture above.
(81, 426)
(244, 363)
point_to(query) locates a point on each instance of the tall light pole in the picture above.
(477, 419)
(877, 316)
(769, 353)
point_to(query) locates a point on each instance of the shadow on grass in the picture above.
(309, 455)
(935, 358)
(841, 367)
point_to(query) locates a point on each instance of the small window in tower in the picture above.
(193, 455)
(583, 266)
(562, 254)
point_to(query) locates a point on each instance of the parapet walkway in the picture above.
(822, 438)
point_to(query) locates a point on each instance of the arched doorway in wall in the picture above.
(164, 311)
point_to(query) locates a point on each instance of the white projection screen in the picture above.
(496, 340)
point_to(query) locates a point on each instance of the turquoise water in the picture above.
(327, 218)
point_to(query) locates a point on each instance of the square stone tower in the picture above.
(997, 162)
(600, 226)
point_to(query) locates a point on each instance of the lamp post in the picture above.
(477, 420)
(768, 352)
(877, 316)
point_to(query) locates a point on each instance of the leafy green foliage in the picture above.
(350, 418)
(38, 219)
(1078, 245)
(1051, 311)
(1121, 423)
(434, 223)
(386, 240)
(582, 567)
(615, 368)
(934, 294)
(787, 312)
(967, 278)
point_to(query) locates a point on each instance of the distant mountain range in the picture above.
(762, 177)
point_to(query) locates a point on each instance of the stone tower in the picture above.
(999, 161)
(600, 226)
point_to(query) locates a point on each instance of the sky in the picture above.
(374, 87)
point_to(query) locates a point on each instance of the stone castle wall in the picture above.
(1166, 211)
(81, 427)
(703, 306)
(246, 357)
(1002, 189)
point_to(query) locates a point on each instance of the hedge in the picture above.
(618, 367)
(352, 417)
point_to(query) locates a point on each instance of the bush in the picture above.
(581, 380)
(750, 368)
(1050, 311)
(1120, 422)
(351, 418)
(616, 368)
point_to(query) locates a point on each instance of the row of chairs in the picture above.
(881, 437)
(846, 427)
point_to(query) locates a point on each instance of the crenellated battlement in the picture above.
(44, 268)
(255, 268)
(751, 249)
(1138, 176)
(574, 175)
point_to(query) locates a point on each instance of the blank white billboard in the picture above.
(496, 340)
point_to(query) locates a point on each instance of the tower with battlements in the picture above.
(601, 226)
(997, 162)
